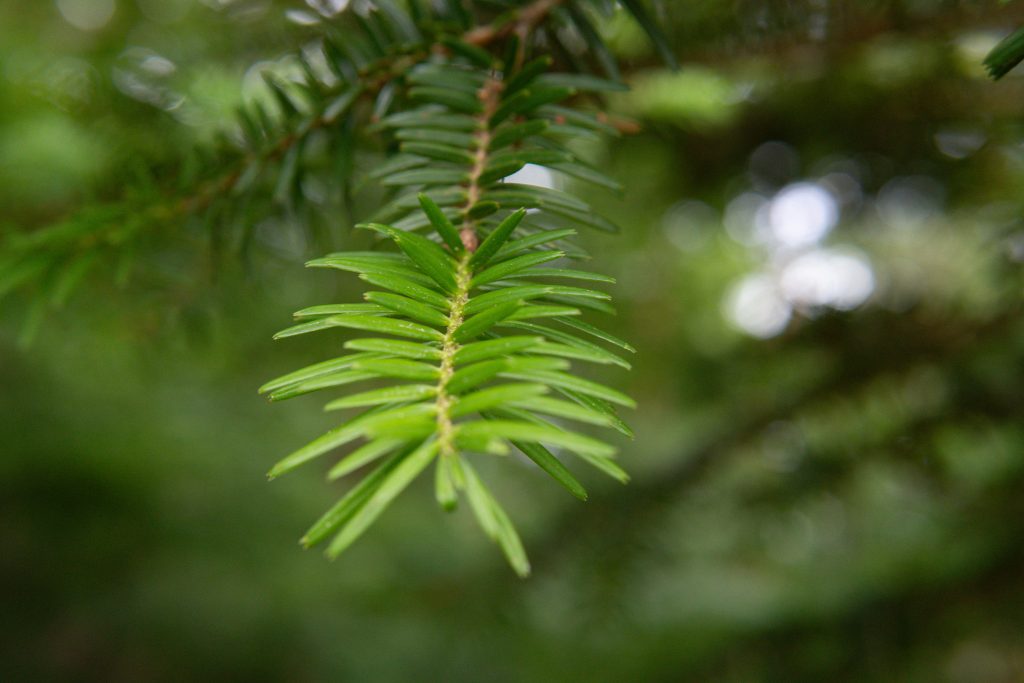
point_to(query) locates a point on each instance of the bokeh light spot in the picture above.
(87, 15)
(839, 279)
(802, 214)
(756, 306)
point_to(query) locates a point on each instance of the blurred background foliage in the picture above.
(820, 265)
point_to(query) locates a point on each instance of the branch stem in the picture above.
(490, 97)
(456, 316)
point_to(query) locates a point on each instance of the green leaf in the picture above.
(424, 253)
(288, 174)
(535, 240)
(510, 134)
(605, 465)
(284, 101)
(553, 466)
(395, 347)
(382, 103)
(566, 273)
(339, 63)
(441, 223)
(530, 311)
(543, 157)
(583, 386)
(526, 101)
(67, 280)
(344, 509)
(527, 292)
(399, 368)
(374, 44)
(531, 196)
(399, 162)
(447, 137)
(438, 152)
(327, 310)
(393, 483)
(578, 119)
(427, 118)
(558, 408)
(399, 328)
(399, 394)
(1006, 55)
(454, 99)
(317, 370)
(316, 325)
(496, 396)
(450, 198)
(529, 363)
(586, 173)
(601, 406)
(477, 55)
(568, 339)
(374, 264)
(363, 455)
(406, 287)
(426, 176)
(495, 522)
(482, 210)
(582, 82)
(514, 430)
(408, 307)
(496, 239)
(513, 266)
(493, 348)
(585, 217)
(650, 27)
(594, 354)
(444, 486)
(593, 40)
(470, 376)
(402, 427)
(587, 302)
(455, 11)
(335, 379)
(21, 271)
(498, 170)
(527, 74)
(340, 104)
(482, 444)
(446, 76)
(401, 25)
(480, 323)
(600, 334)
(339, 436)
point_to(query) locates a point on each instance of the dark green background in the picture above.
(839, 502)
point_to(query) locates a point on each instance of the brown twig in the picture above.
(490, 97)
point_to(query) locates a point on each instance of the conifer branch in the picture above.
(79, 235)
(473, 331)
(466, 312)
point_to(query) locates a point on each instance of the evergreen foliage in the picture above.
(486, 328)
(475, 323)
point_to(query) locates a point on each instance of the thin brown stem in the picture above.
(490, 97)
